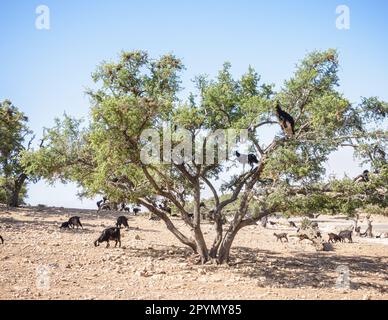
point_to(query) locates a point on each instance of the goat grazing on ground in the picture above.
(334, 238)
(363, 177)
(75, 222)
(104, 206)
(99, 203)
(65, 225)
(292, 224)
(136, 210)
(345, 234)
(250, 159)
(286, 121)
(2, 240)
(281, 236)
(123, 207)
(122, 221)
(108, 234)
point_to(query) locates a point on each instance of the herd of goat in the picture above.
(333, 237)
(108, 234)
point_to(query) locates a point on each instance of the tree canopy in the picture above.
(138, 93)
(13, 134)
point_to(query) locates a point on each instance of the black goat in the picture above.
(123, 207)
(122, 221)
(64, 225)
(108, 234)
(136, 210)
(2, 240)
(334, 238)
(75, 222)
(292, 224)
(346, 234)
(286, 121)
(364, 177)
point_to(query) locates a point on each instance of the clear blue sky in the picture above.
(46, 72)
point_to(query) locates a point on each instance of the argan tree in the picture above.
(13, 134)
(138, 94)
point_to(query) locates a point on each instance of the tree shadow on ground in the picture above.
(313, 270)
(161, 252)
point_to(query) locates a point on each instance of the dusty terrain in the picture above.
(38, 261)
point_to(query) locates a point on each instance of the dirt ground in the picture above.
(39, 261)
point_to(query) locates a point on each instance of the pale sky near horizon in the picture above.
(45, 72)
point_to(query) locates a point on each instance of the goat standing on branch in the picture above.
(364, 177)
(250, 159)
(286, 121)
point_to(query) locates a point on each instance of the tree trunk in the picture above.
(14, 201)
(201, 245)
(218, 239)
(224, 252)
(368, 231)
(198, 235)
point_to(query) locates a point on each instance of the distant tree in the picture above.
(139, 93)
(13, 134)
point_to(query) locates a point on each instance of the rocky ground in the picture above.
(38, 261)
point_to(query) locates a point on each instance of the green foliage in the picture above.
(138, 93)
(13, 133)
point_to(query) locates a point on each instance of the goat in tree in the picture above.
(363, 177)
(286, 121)
(250, 159)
